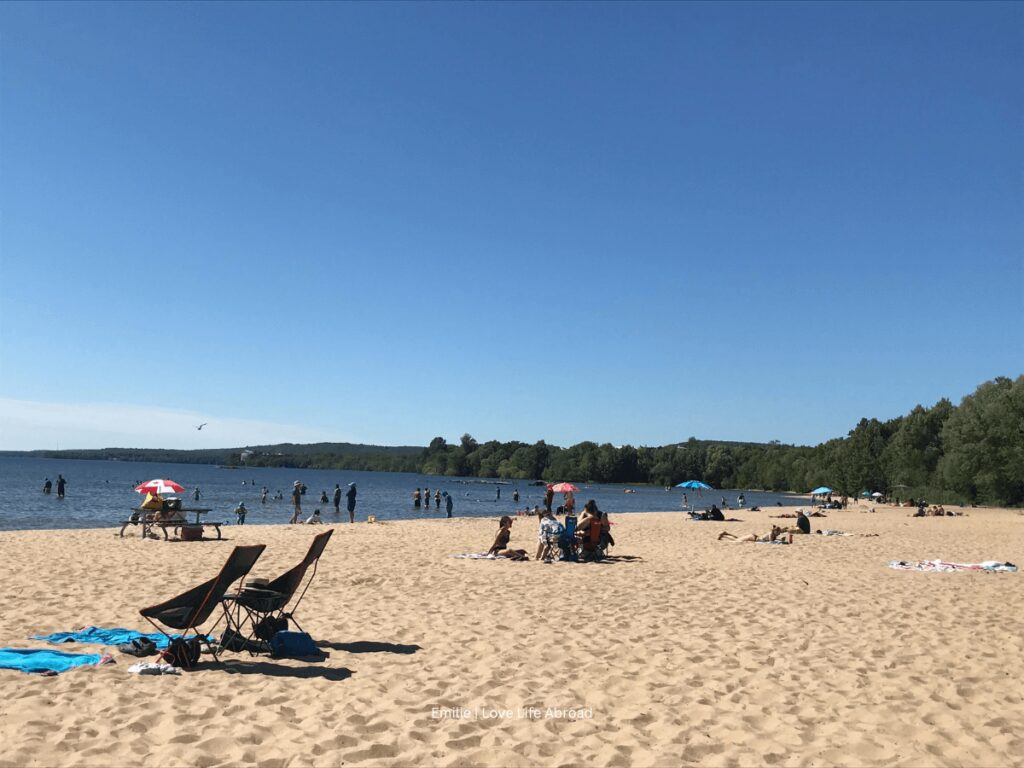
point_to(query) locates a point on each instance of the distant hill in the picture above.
(261, 455)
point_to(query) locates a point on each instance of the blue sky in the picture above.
(629, 223)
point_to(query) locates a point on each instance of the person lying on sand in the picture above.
(500, 546)
(776, 534)
(798, 513)
(830, 532)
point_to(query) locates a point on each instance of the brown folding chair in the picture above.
(190, 609)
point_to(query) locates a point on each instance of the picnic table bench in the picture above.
(144, 517)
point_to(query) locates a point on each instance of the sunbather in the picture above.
(776, 534)
(500, 546)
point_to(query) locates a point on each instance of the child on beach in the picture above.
(314, 519)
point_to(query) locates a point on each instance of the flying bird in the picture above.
(202, 425)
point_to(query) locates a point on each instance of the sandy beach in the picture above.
(680, 650)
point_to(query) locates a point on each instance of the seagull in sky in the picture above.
(202, 425)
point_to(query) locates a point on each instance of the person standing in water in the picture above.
(448, 503)
(498, 497)
(47, 486)
(515, 495)
(297, 501)
(416, 499)
(196, 494)
(351, 496)
(61, 482)
(337, 498)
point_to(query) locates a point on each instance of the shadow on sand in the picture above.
(369, 646)
(270, 669)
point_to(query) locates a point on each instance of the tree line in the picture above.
(971, 453)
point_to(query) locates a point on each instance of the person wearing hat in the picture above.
(351, 496)
(240, 511)
(297, 501)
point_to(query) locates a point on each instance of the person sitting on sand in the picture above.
(802, 523)
(776, 534)
(314, 519)
(500, 546)
(709, 514)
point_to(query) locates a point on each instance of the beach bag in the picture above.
(293, 644)
(269, 626)
(181, 653)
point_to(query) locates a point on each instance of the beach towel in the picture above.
(940, 566)
(46, 662)
(104, 636)
(478, 556)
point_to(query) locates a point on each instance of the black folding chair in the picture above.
(265, 607)
(190, 609)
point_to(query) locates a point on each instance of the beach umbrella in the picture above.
(564, 488)
(821, 491)
(159, 487)
(877, 494)
(694, 485)
(865, 493)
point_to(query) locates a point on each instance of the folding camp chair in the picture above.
(591, 547)
(265, 607)
(567, 542)
(190, 609)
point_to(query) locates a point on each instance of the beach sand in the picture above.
(685, 650)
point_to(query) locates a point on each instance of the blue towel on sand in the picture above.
(102, 636)
(46, 661)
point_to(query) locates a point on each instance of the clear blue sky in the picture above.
(629, 223)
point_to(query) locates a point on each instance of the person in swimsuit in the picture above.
(500, 546)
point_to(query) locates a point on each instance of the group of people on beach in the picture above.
(777, 535)
(586, 538)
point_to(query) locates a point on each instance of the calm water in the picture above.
(99, 493)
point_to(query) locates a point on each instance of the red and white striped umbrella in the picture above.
(159, 487)
(564, 488)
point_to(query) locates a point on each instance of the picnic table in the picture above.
(148, 520)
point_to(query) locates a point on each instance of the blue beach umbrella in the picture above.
(820, 491)
(695, 485)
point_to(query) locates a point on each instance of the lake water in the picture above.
(99, 493)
